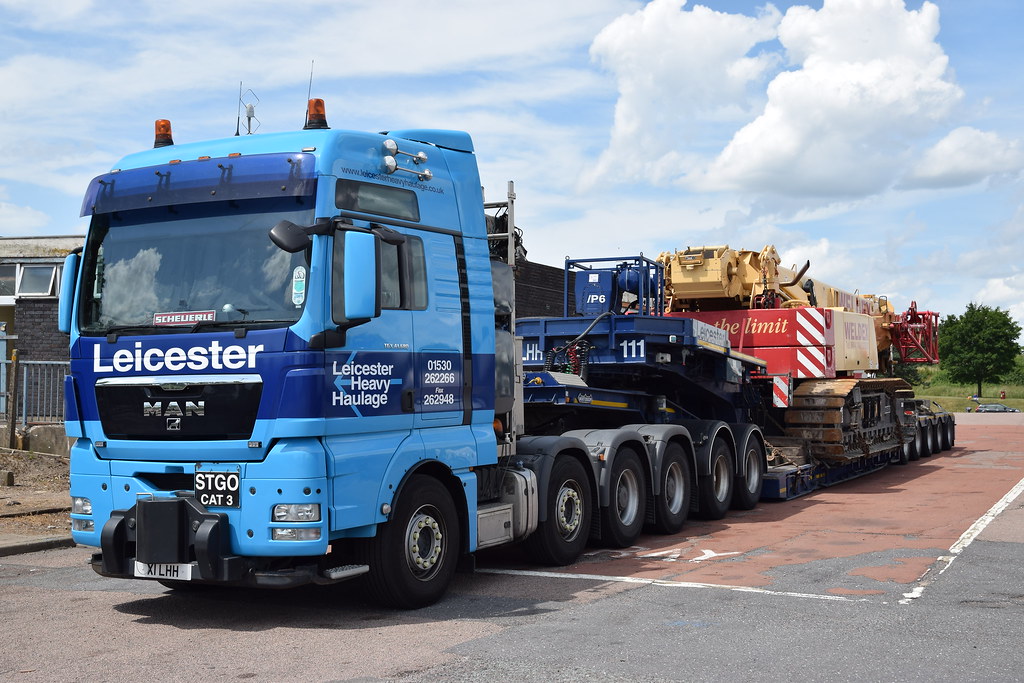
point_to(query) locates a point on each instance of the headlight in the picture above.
(81, 506)
(303, 534)
(297, 512)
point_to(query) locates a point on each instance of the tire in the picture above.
(945, 442)
(672, 505)
(926, 440)
(623, 519)
(904, 456)
(933, 438)
(748, 487)
(951, 429)
(561, 538)
(914, 446)
(715, 490)
(412, 559)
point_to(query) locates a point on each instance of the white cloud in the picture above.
(965, 156)
(1004, 292)
(870, 81)
(20, 220)
(675, 67)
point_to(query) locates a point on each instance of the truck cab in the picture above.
(271, 336)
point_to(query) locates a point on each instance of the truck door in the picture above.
(438, 331)
(369, 396)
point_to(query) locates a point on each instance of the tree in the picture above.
(979, 346)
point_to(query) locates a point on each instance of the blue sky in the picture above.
(881, 139)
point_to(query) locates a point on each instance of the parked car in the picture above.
(995, 408)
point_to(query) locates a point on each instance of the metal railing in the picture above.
(39, 397)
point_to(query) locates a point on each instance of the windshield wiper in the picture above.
(115, 331)
(238, 324)
(196, 327)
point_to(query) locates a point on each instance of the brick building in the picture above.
(30, 276)
(30, 272)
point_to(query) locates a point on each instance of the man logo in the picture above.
(174, 409)
(174, 424)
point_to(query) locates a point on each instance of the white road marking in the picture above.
(672, 555)
(708, 554)
(943, 563)
(667, 584)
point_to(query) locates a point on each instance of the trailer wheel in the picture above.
(951, 430)
(933, 438)
(916, 444)
(412, 559)
(623, 519)
(748, 486)
(926, 440)
(561, 538)
(673, 504)
(944, 439)
(715, 489)
(904, 456)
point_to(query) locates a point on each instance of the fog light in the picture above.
(297, 512)
(82, 525)
(296, 534)
(81, 506)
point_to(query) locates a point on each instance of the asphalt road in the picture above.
(913, 573)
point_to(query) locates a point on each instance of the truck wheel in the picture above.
(748, 487)
(951, 430)
(933, 438)
(561, 538)
(412, 559)
(944, 440)
(673, 504)
(715, 489)
(623, 519)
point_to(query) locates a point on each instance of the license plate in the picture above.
(174, 572)
(218, 489)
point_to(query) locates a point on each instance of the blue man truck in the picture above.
(294, 360)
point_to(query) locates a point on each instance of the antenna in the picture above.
(309, 92)
(238, 115)
(249, 103)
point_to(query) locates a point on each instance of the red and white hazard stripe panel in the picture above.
(780, 392)
(811, 362)
(799, 362)
(811, 324)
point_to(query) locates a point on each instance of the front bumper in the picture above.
(180, 530)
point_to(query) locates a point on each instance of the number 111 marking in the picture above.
(633, 348)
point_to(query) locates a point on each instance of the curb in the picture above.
(17, 545)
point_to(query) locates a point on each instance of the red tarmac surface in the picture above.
(874, 535)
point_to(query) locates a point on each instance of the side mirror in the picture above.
(290, 237)
(362, 268)
(66, 305)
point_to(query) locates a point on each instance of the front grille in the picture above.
(171, 409)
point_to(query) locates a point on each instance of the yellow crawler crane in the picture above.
(821, 343)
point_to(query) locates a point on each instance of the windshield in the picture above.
(185, 267)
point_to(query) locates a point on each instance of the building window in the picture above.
(37, 280)
(7, 279)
